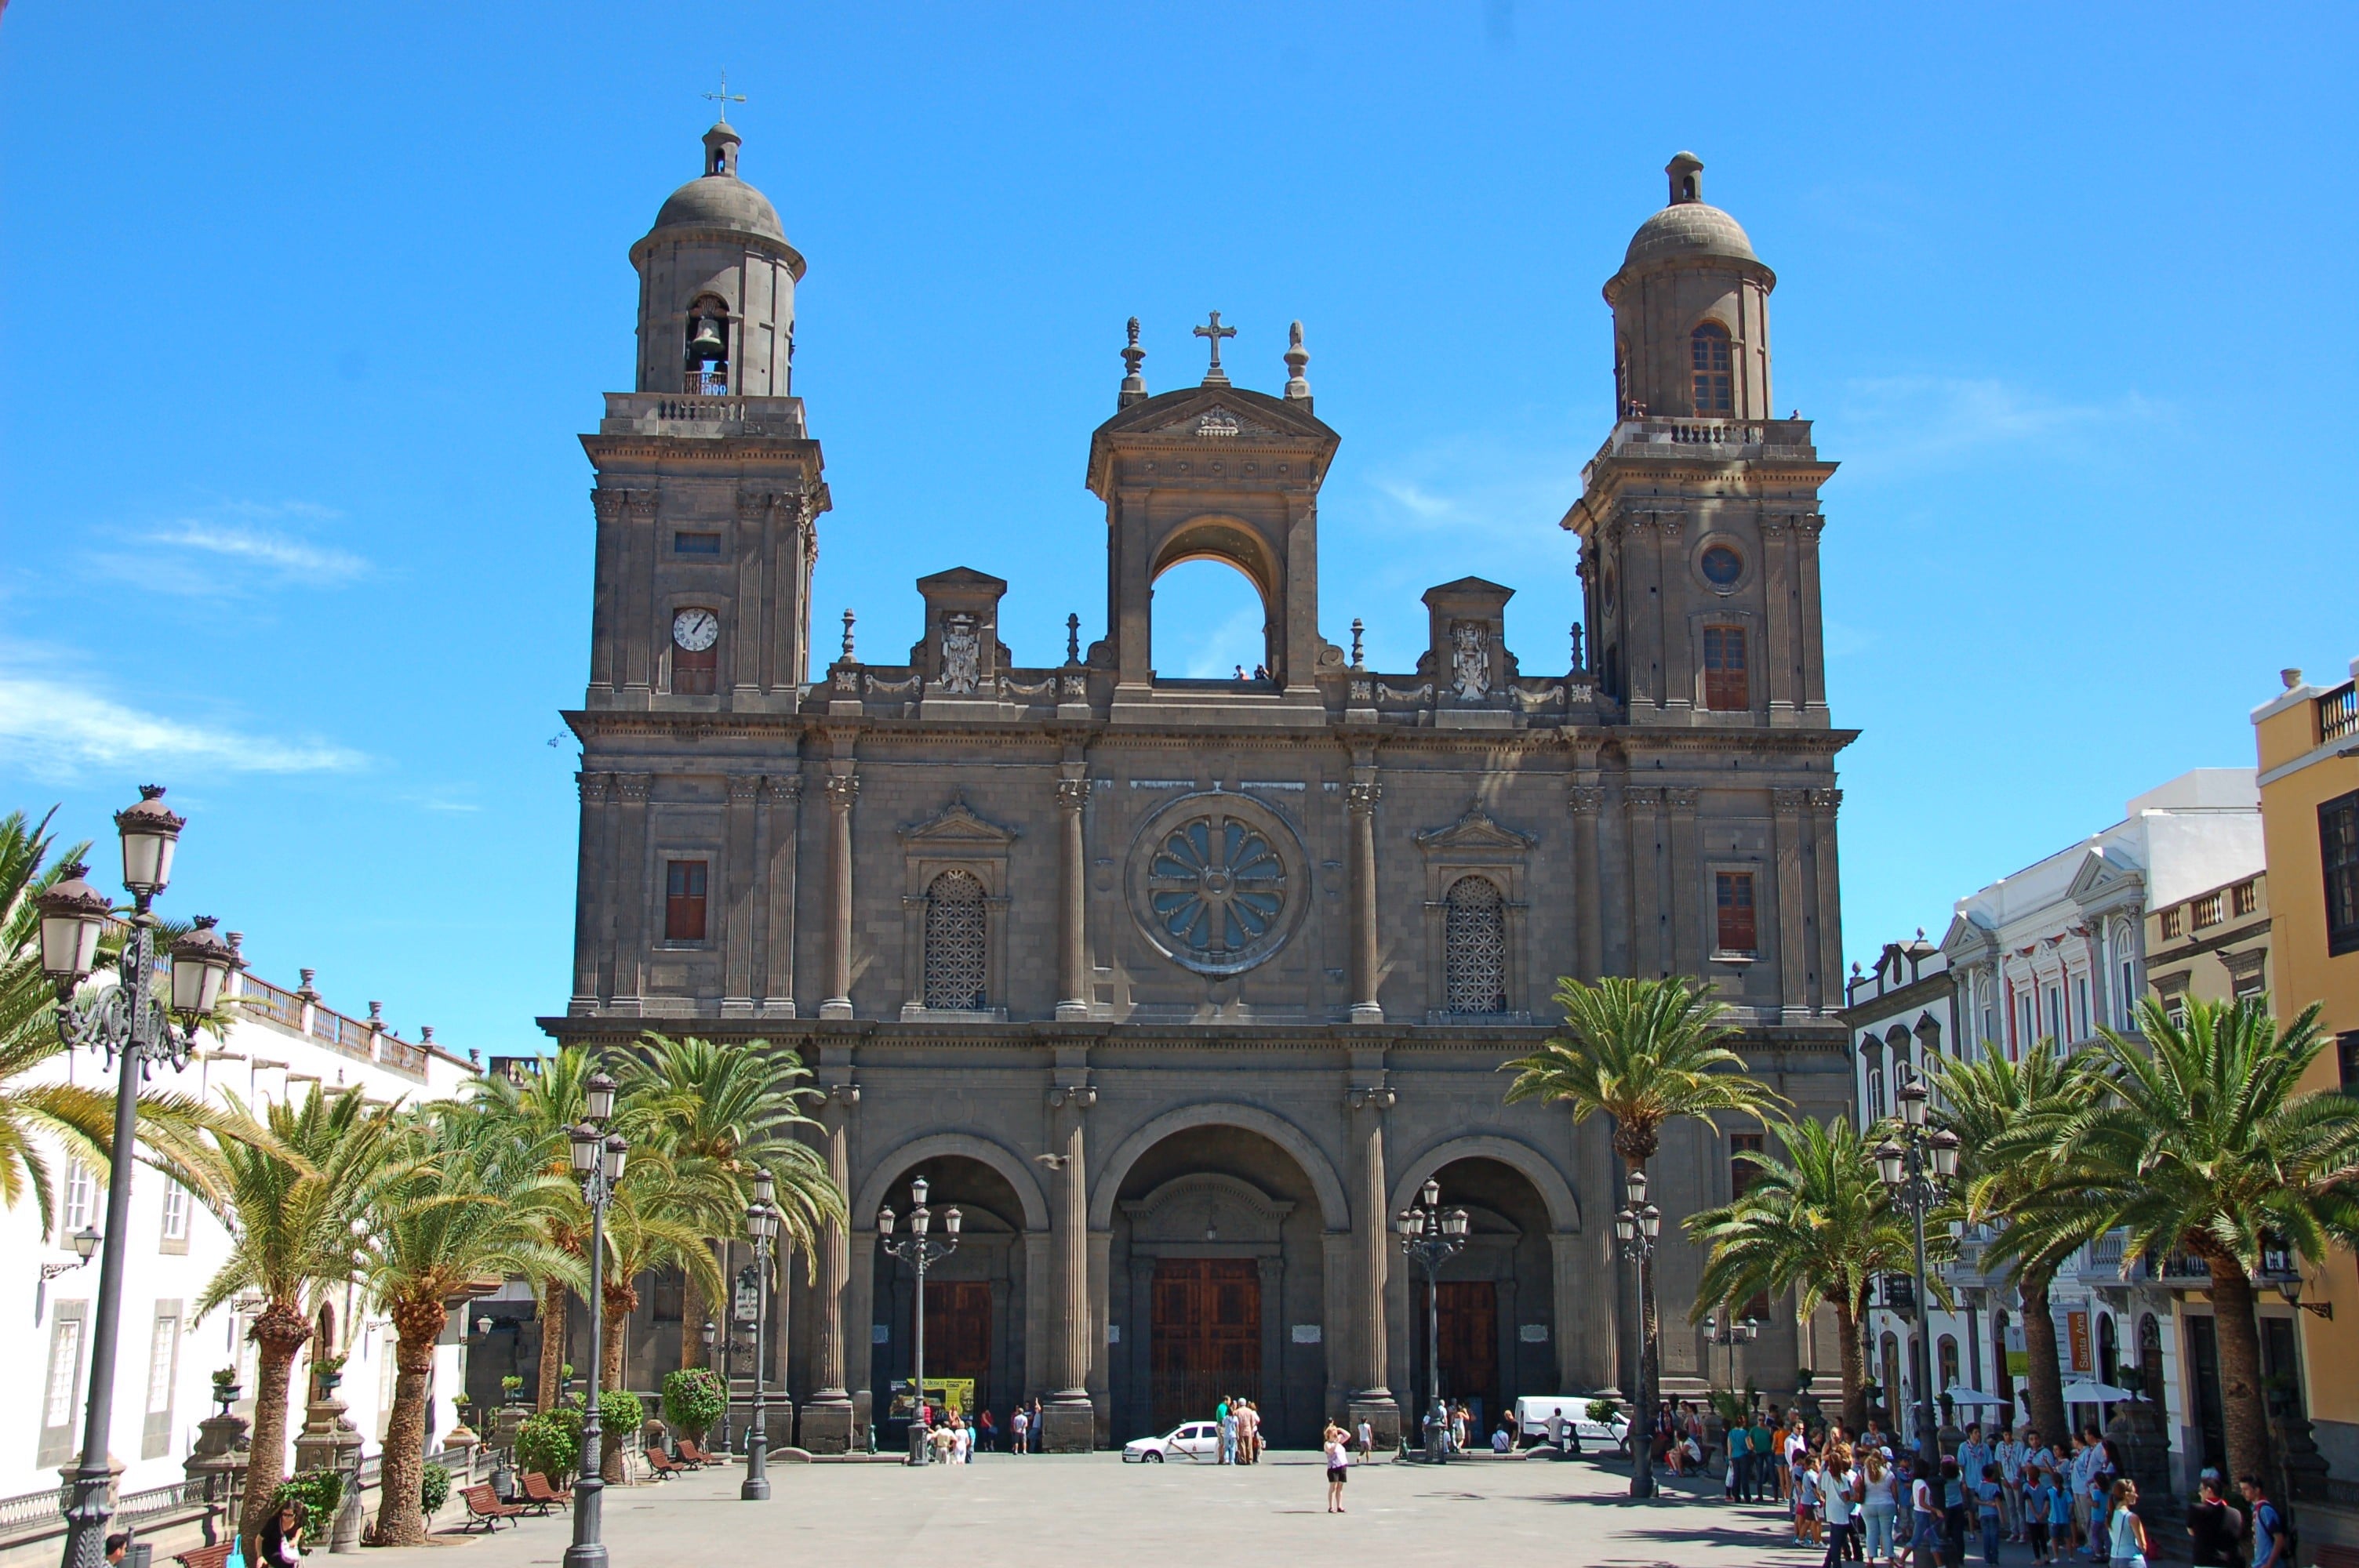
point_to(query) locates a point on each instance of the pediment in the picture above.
(1180, 413)
(1206, 1208)
(2100, 877)
(957, 826)
(1476, 830)
(1964, 940)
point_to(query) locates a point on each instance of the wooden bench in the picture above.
(664, 1465)
(213, 1556)
(484, 1507)
(689, 1450)
(541, 1494)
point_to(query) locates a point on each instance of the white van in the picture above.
(1572, 1411)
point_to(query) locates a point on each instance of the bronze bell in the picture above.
(707, 342)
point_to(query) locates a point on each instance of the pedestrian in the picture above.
(1806, 1499)
(2267, 1525)
(1953, 1514)
(986, 1435)
(1838, 1495)
(2060, 1515)
(1338, 1466)
(1019, 1427)
(2128, 1547)
(1973, 1453)
(1761, 1440)
(1367, 1441)
(2009, 1452)
(2211, 1525)
(1227, 1417)
(1740, 1451)
(281, 1545)
(1987, 1492)
(2038, 1497)
(1039, 1431)
(1879, 1506)
(1925, 1513)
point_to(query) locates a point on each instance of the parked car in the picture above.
(1532, 1421)
(1190, 1440)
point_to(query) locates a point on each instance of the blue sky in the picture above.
(302, 308)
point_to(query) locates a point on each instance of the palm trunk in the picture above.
(694, 1312)
(620, 1301)
(400, 1520)
(2243, 1410)
(556, 1304)
(1848, 1318)
(2047, 1380)
(277, 1335)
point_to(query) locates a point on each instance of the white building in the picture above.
(283, 1043)
(2060, 950)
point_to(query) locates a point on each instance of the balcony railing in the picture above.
(2338, 713)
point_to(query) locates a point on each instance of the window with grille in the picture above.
(2245, 898)
(2338, 850)
(2207, 911)
(1715, 383)
(1733, 930)
(957, 944)
(1724, 689)
(1474, 946)
(684, 900)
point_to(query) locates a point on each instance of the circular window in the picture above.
(1722, 566)
(1217, 882)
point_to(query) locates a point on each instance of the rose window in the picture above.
(1214, 880)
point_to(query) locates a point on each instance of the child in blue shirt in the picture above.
(1986, 1491)
(2040, 1509)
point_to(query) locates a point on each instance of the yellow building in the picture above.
(2308, 741)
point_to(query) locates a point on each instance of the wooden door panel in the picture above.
(958, 1329)
(1205, 1339)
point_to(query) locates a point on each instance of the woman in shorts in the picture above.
(1806, 1499)
(1338, 1466)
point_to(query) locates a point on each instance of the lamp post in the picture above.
(1432, 1238)
(1635, 1225)
(134, 1025)
(1732, 1334)
(762, 1225)
(922, 1251)
(1915, 1162)
(598, 1158)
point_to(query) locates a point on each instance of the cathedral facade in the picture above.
(1180, 990)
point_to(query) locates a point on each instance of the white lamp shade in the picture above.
(74, 914)
(1888, 1160)
(1624, 1228)
(201, 964)
(150, 832)
(617, 1149)
(918, 1192)
(585, 1149)
(1637, 1186)
(1650, 1220)
(952, 1219)
(885, 1220)
(598, 1095)
(921, 1220)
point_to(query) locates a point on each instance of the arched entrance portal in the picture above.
(1217, 1286)
(974, 1298)
(1496, 1300)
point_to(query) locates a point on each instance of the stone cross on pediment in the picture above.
(1215, 375)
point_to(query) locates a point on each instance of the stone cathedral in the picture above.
(1179, 989)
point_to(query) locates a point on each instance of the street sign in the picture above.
(748, 1304)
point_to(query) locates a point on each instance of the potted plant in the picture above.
(328, 1370)
(225, 1389)
(512, 1387)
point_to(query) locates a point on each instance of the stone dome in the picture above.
(721, 201)
(1689, 228)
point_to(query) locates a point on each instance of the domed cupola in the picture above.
(717, 285)
(1690, 312)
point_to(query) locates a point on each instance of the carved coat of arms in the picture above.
(961, 655)
(1470, 660)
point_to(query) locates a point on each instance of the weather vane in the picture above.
(724, 97)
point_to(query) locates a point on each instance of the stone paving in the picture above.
(1050, 1511)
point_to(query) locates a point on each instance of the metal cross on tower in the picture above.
(1215, 375)
(724, 97)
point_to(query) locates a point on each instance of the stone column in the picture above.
(1360, 800)
(1813, 658)
(605, 634)
(1827, 951)
(1371, 1400)
(842, 789)
(638, 643)
(1137, 1339)
(781, 833)
(1648, 956)
(1781, 658)
(1642, 652)
(1687, 883)
(588, 888)
(1072, 882)
(634, 892)
(1679, 648)
(827, 1417)
(751, 551)
(1271, 1397)
(739, 865)
(1070, 1420)
(1793, 938)
(1589, 907)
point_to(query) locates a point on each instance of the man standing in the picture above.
(1227, 1416)
(1973, 1455)
(2268, 1527)
(2009, 1456)
(1740, 1460)
(2085, 1456)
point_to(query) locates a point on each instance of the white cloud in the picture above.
(1895, 425)
(318, 565)
(54, 729)
(228, 549)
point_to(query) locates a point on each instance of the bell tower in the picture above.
(717, 285)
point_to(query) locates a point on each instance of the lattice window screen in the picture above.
(956, 948)
(1474, 946)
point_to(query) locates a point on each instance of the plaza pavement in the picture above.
(1095, 1509)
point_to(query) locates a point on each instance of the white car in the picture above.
(1193, 1440)
(1532, 1416)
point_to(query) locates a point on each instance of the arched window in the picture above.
(2109, 1350)
(2149, 1367)
(1716, 379)
(706, 369)
(1474, 946)
(955, 942)
(1947, 1353)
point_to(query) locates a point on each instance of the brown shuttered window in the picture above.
(1716, 384)
(684, 900)
(1733, 906)
(1725, 689)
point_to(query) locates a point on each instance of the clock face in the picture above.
(695, 630)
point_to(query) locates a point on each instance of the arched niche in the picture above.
(1335, 1213)
(885, 1180)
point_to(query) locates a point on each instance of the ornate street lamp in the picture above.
(1636, 1224)
(598, 1158)
(1916, 1163)
(134, 1025)
(1431, 1238)
(762, 1225)
(922, 1251)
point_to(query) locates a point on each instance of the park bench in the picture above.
(484, 1507)
(213, 1556)
(695, 1454)
(664, 1465)
(541, 1494)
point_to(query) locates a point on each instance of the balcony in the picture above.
(701, 413)
(2338, 713)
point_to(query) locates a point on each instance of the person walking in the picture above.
(1338, 1466)
(1367, 1441)
(1925, 1513)
(1806, 1499)
(1019, 1427)
(2128, 1547)
(1879, 1506)
(1838, 1495)
(2267, 1525)
(1987, 1492)
(2209, 1527)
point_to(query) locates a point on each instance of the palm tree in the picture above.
(2007, 1116)
(1820, 1222)
(2198, 1141)
(35, 1109)
(658, 1217)
(727, 1112)
(1640, 1052)
(463, 1208)
(538, 1116)
(293, 1202)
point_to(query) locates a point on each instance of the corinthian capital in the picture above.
(1072, 793)
(842, 789)
(1361, 796)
